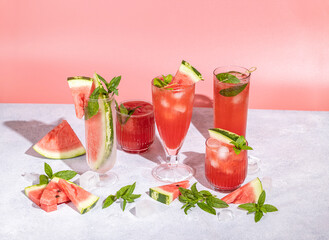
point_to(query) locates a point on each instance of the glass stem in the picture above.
(173, 160)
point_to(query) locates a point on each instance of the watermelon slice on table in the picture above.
(82, 199)
(168, 193)
(81, 88)
(34, 192)
(248, 193)
(60, 143)
(186, 75)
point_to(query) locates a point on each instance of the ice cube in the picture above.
(31, 177)
(145, 208)
(223, 152)
(180, 108)
(225, 215)
(89, 180)
(178, 95)
(237, 99)
(164, 103)
(253, 165)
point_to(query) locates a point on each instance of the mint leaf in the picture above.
(216, 202)
(66, 174)
(236, 150)
(206, 208)
(258, 216)
(112, 86)
(240, 144)
(130, 190)
(124, 204)
(108, 201)
(227, 78)
(48, 170)
(261, 199)
(125, 111)
(233, 91)
(43, 179)
(250, 207)
(122, 191)
(205, 193)
(269, 208)
(161, 83)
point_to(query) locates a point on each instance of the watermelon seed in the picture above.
(57, 196)
(58, 190)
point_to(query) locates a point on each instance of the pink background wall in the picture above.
(44, 42)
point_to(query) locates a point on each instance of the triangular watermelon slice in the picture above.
(53, 194)
(82, 199)
(81, 88)
(248, 193)
(60, 143)
(168, 193)
(186, 75)
(34, 192)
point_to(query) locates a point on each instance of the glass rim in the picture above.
(234, 66)
(110, 98)
(174, 90)
(140, 115)
(222, 143)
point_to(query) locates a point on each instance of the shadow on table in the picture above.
(156, 152)
(33, 131)
(196, 161)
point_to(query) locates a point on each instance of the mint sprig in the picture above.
(240, 144)
(164, 82)
(227, 78)
(65, 174)
(258, 208)
(126, 111)
(111, 89)
(203, 199)
(125, 193)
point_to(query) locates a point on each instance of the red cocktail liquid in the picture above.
(224, 169)
(135, 133)
(230, 112)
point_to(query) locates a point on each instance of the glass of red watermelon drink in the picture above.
(226, 160)
(173, 104)
(135, 126)
(231, 94)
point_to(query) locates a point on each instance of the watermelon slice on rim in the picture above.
(81, 88)
(60, 143)
(168, 193)
(82, 199)
(248, 193)
(186, 75)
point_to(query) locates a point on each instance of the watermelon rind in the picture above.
(190, 71)
(160, 195)
(75, 82)
(28, 189)
(107, 124)
(60, 155)
(223, 135)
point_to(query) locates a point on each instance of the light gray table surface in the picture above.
(293, 147)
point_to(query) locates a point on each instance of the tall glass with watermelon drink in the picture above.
(231, 95)
(173, 104)
(226, 159)
(135, 126)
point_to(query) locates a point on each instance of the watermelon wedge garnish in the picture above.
(81, 88)
(82, 199)
(248, 193)
(186, 75)
(34, 192)
(60, 143)
(168, 193)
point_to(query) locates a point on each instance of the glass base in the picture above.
(107, 179)
(172, 172)
(224, 190)
(134, 151)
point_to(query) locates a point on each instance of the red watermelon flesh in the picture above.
(186, 75)
(81, 198)
(49, 208)
(81, 88)
(60, 143)
(248, 193)
(53, 194)
(168, 193)
(34, 192)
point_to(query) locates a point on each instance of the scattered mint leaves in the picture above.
(66, 174)
(240, 144)
(164, 82)
(125, 111)
(258, 208)
(203, 199)
(111, 89)
(227, 78)
(125, 193)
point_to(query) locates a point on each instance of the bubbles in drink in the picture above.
(165, 103)
(178, 95)
(237, 99)
(180, 108)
